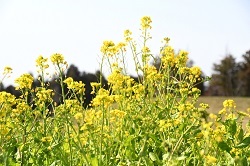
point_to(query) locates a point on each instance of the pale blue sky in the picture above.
(208, 29)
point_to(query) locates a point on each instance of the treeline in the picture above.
(231, 78)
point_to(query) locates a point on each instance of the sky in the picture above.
(207, 29)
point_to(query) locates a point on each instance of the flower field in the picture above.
(156, 120)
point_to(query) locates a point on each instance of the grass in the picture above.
(216, 104)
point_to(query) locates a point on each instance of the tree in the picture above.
(244, 74)
(225, 78)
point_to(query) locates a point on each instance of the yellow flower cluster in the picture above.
(116, 119)
(102, 98)
(229, 104)
(119, 81)
(168, 57)
(117, 113)
(41, 62)
(182, 58)
(90, 116)
(7, 98)
(164, 125)
(44, 95)
(146, 22)
(195, 72)
(127, 35)
(46, 139)
(186, 107)
(7, 70)
(211, 159)
(22, 109)
(24, 81)
(57, 59)
(108, 48)
(73, 106)
(78, 116)
(74, 85)
(152, 74)
(138, 90)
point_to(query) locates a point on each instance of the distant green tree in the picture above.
(225, 78)
(244, 74)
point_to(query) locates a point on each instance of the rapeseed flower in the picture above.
(146, 22)
(195, 71)
(127, 35)
(44, 95)
(57, 59)
(211, 159)
(7, 70)
(229, 104)
(24, 81)
(46, 139)
(74, 85)
(8, 98)
(109, 48)
(41, 62)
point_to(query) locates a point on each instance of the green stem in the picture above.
(101, 141)
(180, 140)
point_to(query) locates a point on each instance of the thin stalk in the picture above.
(101, 141)
(180, 140)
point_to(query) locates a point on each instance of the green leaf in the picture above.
(244, 161)
(233, 127)
(244, 143)
(241, 134)
(223, 146)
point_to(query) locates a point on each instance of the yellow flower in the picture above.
(117, 113)
(168, 56)
(203, 105)
(42, 62)
(108, 48)
(181, 58)
(7, 70)
(46, 139)
(102, 97)
(73, 105)
(211, 159)
(74, 85)
(7, 98)
(223, 111)
(146, 22)
(44, 94)
(121, 46)
(195, 71)
(229, 104)
(20, 108)
(24, 81)
(127, 35)
(78, 116)
(57, 59)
